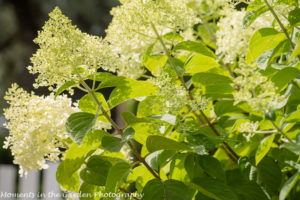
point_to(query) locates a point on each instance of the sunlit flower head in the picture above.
(65, 51)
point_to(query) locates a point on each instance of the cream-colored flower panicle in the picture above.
(37, 127)
(131, 31)
(63, 47)
(255, 89)
(232, 38)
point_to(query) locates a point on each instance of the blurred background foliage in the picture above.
(19, 23)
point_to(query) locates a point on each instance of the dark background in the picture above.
(19, 22)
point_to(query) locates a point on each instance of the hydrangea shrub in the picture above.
(217, 86)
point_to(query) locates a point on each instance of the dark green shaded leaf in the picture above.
(79, 124)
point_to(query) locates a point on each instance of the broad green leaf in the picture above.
(196, 47)
(140, 175)
(264, 147)
(269, 175)
(110, 80)
(177, 168)
(262, 61)
(67, 173)
(79, 124)
(154, 62)
(131, 119)
(65, 86)
(263, 40)
(284, 76)
(173, 36)
(294, 146)
(214, 189)
(115, 175)
(88, 104)
(293, 117)
(200, 63)
(252, 15)
(155, 143)
(90, 192)
(114, 144)
(206, 78)
(225, 106)
(247, 190)
(288, 186)
(168, 190)
(294, 16)
(296, 51)
(96, 171)
(133, 90)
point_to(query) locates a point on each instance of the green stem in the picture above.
(119, 130)
(280, 23)
(234, 157)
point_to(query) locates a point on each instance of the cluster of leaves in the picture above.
(192, 155)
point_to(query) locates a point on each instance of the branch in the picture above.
(235, 157)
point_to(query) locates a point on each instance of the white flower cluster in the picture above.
(37, 127)
(131, 32)
(255, 89)
(172, 97)
(64, 49)
(248, 128)
(232, 38)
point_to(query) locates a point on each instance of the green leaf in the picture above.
(131, 119)
(263, 40)
(133, 90)
(65, 86)
(206, 78)
(225, 106)
(172, 36)
(114, 144)
(252, 15)
(247, 190)
(196, 47)
(67, 173)
(294, 16)
(296, 51)
(284, 76)
(154, 62)
(194, 164)
(96, 170)
(269, 175)
(140, 175)
(264, 147)
(155, 143)
(288, 186)
(88, 104)
(200, 63)
(213, 188)
(115, 175)
(263, 60)
(79, 124)
(294, 146)
(89, 192)
(293, 117)
(110, 80)
(168, 190)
